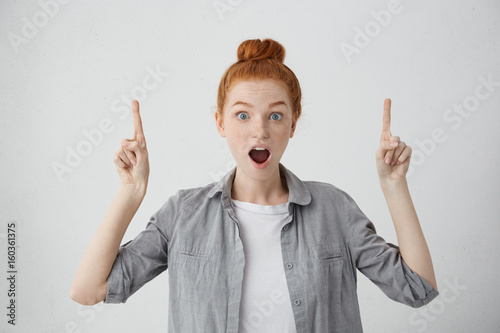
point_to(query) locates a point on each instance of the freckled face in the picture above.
(257, 112)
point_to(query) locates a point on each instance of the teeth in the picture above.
(259, 148)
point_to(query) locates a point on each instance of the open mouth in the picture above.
(259, 154)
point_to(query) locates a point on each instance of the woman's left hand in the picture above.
(393, 155)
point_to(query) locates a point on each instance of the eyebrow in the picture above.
(250, 105)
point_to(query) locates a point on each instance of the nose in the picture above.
(260, 129)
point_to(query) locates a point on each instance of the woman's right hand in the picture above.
(131, 159)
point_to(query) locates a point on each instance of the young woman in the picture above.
(260, 250)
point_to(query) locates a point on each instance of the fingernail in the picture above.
(393, 144)
(133, 161)
(388, 160)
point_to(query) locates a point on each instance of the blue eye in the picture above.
(242, 113)
(276, 114)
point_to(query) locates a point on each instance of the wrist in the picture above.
(134, 191)
(393, 184)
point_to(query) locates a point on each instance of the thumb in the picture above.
(135, 147)
(384, 147)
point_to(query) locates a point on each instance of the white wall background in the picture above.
(82, 64)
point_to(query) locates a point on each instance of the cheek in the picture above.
(284, 137)
(285, 131)
(234, 138)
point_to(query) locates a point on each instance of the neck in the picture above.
(271, 191)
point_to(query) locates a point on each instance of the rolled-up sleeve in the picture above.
(146, 256)
(382, 262)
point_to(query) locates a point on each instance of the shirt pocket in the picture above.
(330, 257)
(192, 274)
(330, 260)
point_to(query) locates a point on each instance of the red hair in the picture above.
(260, 60)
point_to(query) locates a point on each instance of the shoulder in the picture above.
(323, 190)
(185, 202)
(196, 195)
(325, 194)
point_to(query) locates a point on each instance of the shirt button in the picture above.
(289, 265)
(296, 302)
(285, 228)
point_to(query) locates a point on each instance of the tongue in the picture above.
(259, 156)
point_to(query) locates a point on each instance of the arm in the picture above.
(411, 239)
(131, 160)
(393, 160)
(90, 283)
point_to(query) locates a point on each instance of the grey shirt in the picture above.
(324, 241)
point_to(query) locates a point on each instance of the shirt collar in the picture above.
(297, 190)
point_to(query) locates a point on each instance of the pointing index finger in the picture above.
(386, 121)
(138, 132)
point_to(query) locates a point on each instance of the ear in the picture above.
(219, 122)
(294, 125)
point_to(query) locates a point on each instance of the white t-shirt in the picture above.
(265, 301)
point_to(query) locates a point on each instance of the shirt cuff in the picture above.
(422, 291)
(115, 292)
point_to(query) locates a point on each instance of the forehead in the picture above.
(259, 90)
